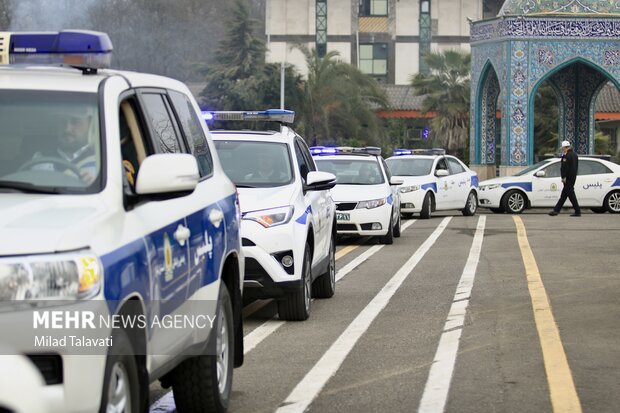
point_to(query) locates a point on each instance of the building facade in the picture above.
(384, 38)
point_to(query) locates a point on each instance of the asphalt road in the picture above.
(490, 313)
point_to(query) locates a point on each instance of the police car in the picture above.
(367, 198)
(597, 187)
(120, 232)
(288, 215)
(433, 181)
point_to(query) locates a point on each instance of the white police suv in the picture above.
(367, 198)
(288, 215)
(597, 187)
(433, 181)
(120, 254)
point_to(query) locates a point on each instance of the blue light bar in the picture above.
(269, 115)
(345, 150)
(432, 151)
(401, 152)
(79, 48)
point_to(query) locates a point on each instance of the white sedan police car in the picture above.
(597, 187)
(288, 215)
(120, 235)
(433, 181)
(366, 195)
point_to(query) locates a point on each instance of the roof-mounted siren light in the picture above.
(269, 115)
(402, 152)
(83, 49)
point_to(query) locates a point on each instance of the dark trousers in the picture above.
(568, 192)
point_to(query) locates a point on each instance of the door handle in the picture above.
(216, 216)
(182, 234)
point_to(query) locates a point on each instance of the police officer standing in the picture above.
(570, 163)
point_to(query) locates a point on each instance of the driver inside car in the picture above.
(74, 154)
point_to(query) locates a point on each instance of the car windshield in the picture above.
(251, 164)
(49, 142)
(410, 166)
(533, 167)
(352, 172)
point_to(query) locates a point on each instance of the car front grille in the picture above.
(345, 206)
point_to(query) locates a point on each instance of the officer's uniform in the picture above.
(570, 164)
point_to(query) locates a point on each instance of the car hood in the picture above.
(416, 180)
(254, 199)
(37, 224)
(504, 179)
(356, 193)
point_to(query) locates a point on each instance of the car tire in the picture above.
(612, 202)
(396, 230)
(121, 385)
(296, 306)
(427, 207)
(471, 206)
(497, 210)
(325, 285)
(388, 238)
(514, 202)
(598, 210)
(204, 383)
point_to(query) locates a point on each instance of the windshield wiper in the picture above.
(27, 187)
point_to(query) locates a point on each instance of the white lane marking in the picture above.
(165, 404)
(252, 339)
(438, 383)
(260, 333)
(365, 255)
(312, 384)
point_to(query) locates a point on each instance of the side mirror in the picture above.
(320, 181)
(166, 173)
(540, 174)
(441, 172)
(396, 181)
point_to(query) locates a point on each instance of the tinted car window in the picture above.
(192, 128)
(455, 166)
(552, 171)
(410, 167)
(587, 167)
(161, 123)
(352, 172)
(255, 164)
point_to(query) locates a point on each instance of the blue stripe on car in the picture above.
(303, 218)
(431, 185)
(527, 186)
(390, 199)
(617, 183)
(474, 181)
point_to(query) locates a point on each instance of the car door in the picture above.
(547, 187)
(459, 185)
(442, 200)
(317, 201)
(593, 182)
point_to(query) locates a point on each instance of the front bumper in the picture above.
(360, 221)
(264, 248)
(490, 198)
(411, 202)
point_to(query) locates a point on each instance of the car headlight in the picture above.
(373, 203)
(405, 189)
(56, 276)
(271, 217)
(489, 187)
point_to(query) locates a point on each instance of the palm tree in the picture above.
(339, 101)
(447, 90)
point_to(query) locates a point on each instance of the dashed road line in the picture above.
(311, 385)
(562, 390)
(440, 375)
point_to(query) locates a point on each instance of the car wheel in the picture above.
(296, 306)
(121, 388)
(514, 202)
(497, 210)
(396, 230)
(471, 206)
(427, 207)
(389, 237)
(612, 202)
(598, 210)
(204, 383)
(325, 285)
